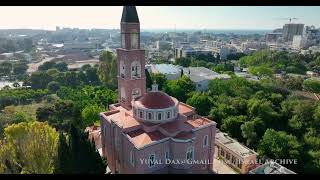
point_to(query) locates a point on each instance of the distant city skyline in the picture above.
(158, 17)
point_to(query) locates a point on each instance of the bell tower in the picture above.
(131, 59)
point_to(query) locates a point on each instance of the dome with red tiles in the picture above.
(155, 107)
(156, 100)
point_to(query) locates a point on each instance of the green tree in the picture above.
(201, 102)
(248, 132)
(263, 109)
(43, 113)
(90, 114)
(108, 69)
(82, 150)
(160, 79)
(40, 80)
(185, 62)
(316, 117)
(62, 67)
(198, 63)
(294, 83)
(53, 72)
(5, 68)
(223, 67)
(92, 75)
(20, 68)
(180, 88)
(53, 86)
(232, 125)
(85, 67)
(33, 147)
(279, 145)
(301, 117)
(261, 71)
(62, 164)
(47, 65)
(252, 131)
(71, 79)
(148, 79)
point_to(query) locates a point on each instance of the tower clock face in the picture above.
(134, 41)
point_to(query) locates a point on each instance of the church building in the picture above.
(150, 131)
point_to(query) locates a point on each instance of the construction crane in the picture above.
(290, 19)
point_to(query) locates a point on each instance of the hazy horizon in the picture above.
(158, 17)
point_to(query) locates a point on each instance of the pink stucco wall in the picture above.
(177, 150)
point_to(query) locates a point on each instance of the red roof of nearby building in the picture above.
(123, 118)
(185, 109)
(195, 123)
(141, 138)
(156, 100)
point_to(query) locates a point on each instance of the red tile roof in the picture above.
(195, 123)
(141, 138)
(123, 118)
(156, 100)
(184, 108)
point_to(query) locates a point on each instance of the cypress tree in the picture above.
(148, 79)
(85, 158)
(62, 165)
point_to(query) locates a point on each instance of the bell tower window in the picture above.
(135, 70)
(123, 41)
(136, 92)
(134, 41)
(122, 69)
(123, 94)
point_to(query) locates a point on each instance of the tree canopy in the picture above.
(29, 148)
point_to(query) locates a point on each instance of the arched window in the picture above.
(168, 115)
(205, 141)
(136, 92)
(159, 116)
(167, 155)
(134, 41)
(149, 116)
(151, 160)
(122, 69)
(141, 114)
(105, 131)
(116, 139)
(190, 153)
(131, 158)
(123, 94)
(135, 70)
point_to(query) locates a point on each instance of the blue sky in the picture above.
(164, 17)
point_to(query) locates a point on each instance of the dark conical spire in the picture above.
(129, 14)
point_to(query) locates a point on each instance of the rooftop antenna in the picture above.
(290, 19)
